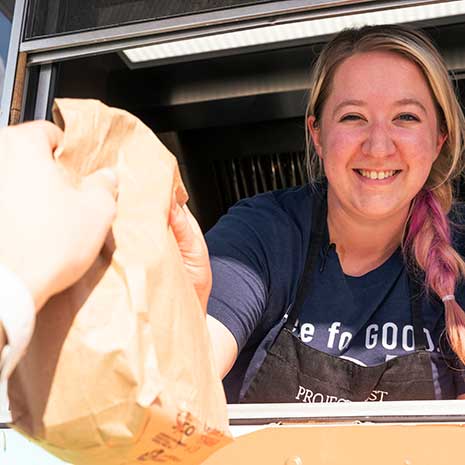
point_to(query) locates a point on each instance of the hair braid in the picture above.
(428, 241)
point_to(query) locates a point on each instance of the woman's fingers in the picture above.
(195, 228)
(193, 250)
(181, 226)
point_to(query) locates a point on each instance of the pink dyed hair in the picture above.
(428, 240)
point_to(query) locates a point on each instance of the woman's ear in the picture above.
(314, 129)
(442, 137)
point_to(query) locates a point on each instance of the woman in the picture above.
(337, 291)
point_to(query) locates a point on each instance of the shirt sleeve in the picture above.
(257, 253)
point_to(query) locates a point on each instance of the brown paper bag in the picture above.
(120, 369)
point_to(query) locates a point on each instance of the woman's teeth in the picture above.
(377, 174)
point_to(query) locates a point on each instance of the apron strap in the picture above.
(417, 320)
(317, 235)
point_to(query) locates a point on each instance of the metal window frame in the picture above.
(270, 12)
(416, 411)
(427, 411)
(67, 46)
(44, 91)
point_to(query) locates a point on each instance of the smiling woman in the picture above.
(343, 288)
(389, 98)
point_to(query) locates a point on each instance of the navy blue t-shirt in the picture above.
(257, 255)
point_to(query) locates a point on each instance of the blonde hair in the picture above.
(427, 242)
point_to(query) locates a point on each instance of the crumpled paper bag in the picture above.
(120, 368)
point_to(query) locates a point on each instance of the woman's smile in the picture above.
(378, 175)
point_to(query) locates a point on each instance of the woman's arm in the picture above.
(224, 345)
(194, 252)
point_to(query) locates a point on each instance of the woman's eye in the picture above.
(408, 117)
(351, 117)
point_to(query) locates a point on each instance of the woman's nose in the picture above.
(379, 142)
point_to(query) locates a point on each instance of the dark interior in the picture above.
(235, 123)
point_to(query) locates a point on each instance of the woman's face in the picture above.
(378, 135)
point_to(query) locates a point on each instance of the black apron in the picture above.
(292, 371)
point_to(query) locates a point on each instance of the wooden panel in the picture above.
(17, 99)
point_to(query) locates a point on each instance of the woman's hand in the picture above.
(193, 250)
(51, 232)
(197, 264)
